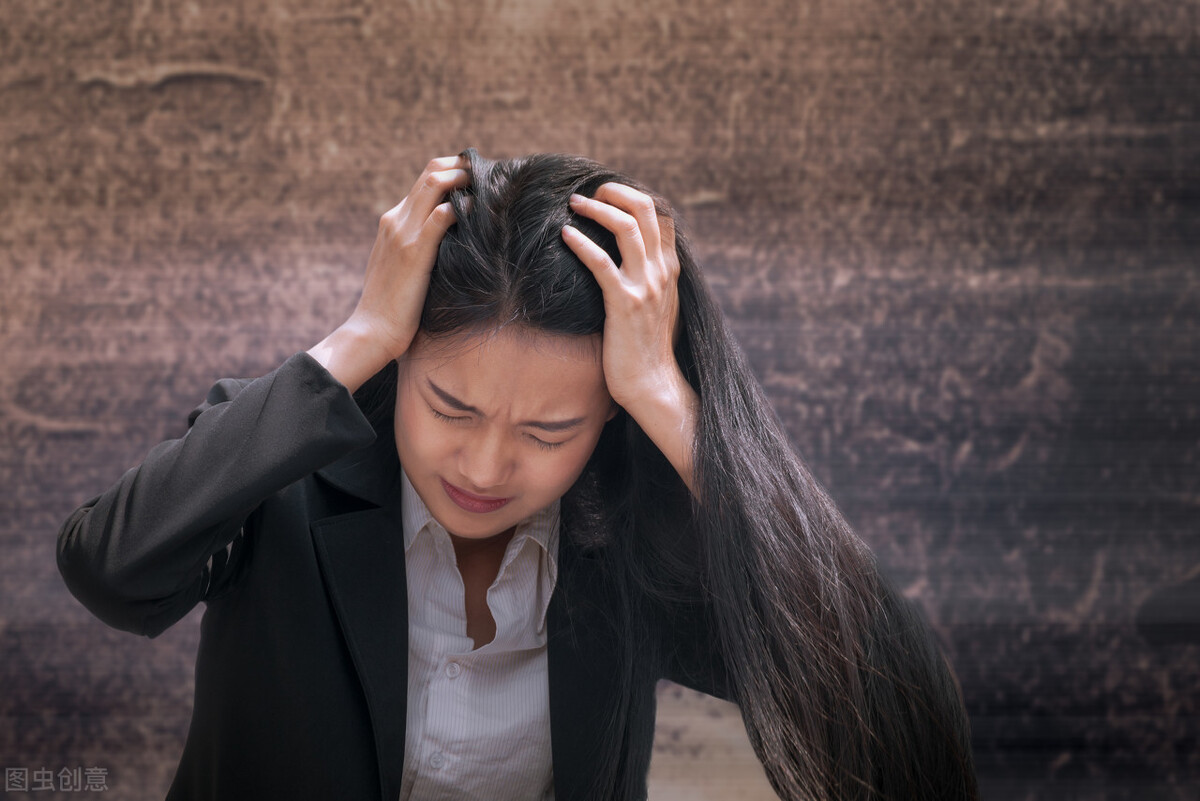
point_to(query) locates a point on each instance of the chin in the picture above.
(459, 523)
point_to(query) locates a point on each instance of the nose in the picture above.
(485, 460)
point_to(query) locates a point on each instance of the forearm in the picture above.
(669, 415)
(139, 551)
(388, 312)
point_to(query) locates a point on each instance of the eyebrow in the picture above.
(544, 425)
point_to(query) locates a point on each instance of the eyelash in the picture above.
(446, 417)
(541, 443)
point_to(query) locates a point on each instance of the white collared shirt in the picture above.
(478, 724)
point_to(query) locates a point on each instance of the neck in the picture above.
(470, 549)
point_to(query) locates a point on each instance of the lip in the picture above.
(472, 503)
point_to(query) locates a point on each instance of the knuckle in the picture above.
(433, 181)
(389, 221)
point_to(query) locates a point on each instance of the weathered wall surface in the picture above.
(957, 239)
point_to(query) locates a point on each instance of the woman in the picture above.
(557, 481)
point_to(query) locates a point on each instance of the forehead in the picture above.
(513, 364)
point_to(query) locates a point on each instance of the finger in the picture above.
(441, 218)
(447, 163)
(666, 226)
(439, 178)
(637, 204)
(439, 221)
(594, 257)
(624, 227)
(407, 218)
(666, 232)
(670, 256)
(427, 193)
(435, 165)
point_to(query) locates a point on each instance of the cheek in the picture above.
(414, 439)
(552, 478)
(560, 471)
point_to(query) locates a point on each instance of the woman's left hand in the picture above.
(641, 306)
(641, 297)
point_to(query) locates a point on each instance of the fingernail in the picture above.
(577, 199)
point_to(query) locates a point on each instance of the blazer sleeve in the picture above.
(138, 556)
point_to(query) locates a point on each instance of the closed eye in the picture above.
(448, 418)
(546, 446)
(541, 443)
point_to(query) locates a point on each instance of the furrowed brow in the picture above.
(551, 426)
(452, 401)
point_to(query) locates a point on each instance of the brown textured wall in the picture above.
(957, 239)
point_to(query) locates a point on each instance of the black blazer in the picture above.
(280, 510)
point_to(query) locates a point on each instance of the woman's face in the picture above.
(493, 428)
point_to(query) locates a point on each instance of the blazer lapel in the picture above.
(361, 556)
(581, 652)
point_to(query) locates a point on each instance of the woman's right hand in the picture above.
(388, 313)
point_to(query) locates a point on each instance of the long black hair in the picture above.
(843, 690)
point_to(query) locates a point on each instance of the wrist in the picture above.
(351, 354)
(668, 414)
(665, 394)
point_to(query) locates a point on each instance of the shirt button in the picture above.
(453, 669)
(436, 760)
